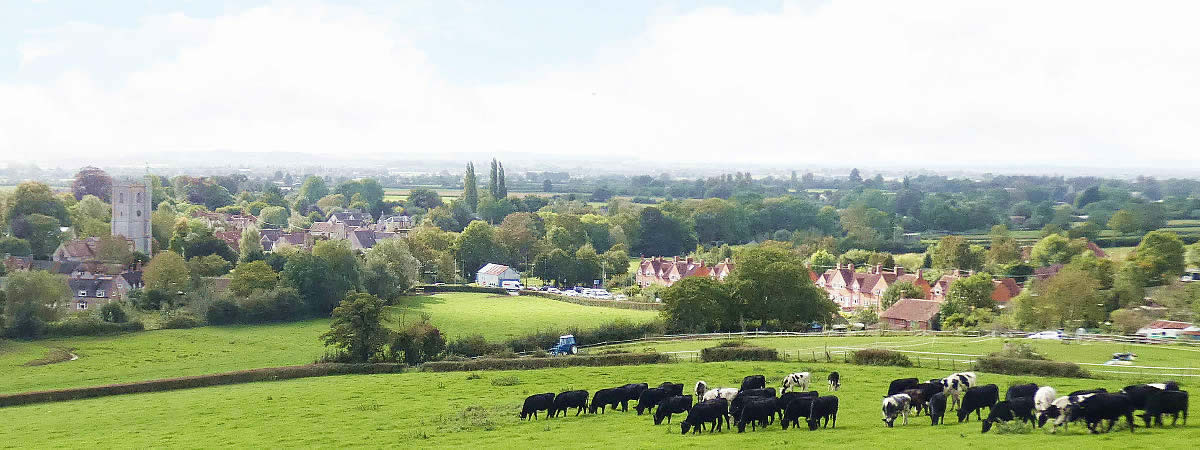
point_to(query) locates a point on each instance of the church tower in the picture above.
(131, 213)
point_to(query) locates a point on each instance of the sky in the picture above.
(833, 83)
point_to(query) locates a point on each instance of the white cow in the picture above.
(704, 393)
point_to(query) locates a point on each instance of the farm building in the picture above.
(495, 274)
(1166, 329)
(910, 314)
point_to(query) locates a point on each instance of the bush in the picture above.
(1016, 366)
(720, 353)
(275, 305)
(89, 326)
(619, 330)
(180, 320)
(880, 357)
(461, 288)
(113, 313)
(626, 359)
(416, 344)
(473, 345)
(1019, 350)
(222, 312)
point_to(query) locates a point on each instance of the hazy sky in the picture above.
(916, 83)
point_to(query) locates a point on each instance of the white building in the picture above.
(493, 275)
(1166, 329)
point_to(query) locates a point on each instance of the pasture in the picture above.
(212, 349)
(480, 410)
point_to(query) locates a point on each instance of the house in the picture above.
(349, 218)
(80, 250)
(15, 263)
(853, 290)
(666, 271)
(1046, 273)
(272, 239)
(1005, 288)
(1167, 329)
(90, 290)
(910, 314)
(494, 275)
(365, 239)
(232, 238)
(401, 223)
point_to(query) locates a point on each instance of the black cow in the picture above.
(900, 385)
(835, 381)
(635, 389)
(607, 397)
(535, 403)
(1104, 406)
(672, 405)
(823, 408)
(1166, 402)
(937, 408)
(570, 399)
(672, 389)
(650, 398)
(787, 397)
(1088, 391)
(711, 412)
(753, 382)
(755, 411)
(976, 399)
(1138, 393)
(1021, 390)
(796, 408)
(1010, 409)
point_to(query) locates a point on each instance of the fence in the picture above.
(623, 304)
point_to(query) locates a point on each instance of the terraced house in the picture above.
(853, 290)
(666, 271)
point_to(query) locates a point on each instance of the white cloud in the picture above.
(855, 83)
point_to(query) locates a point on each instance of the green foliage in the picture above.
(167, 272)
(899, 290)
(1015, 366)
(355, 327)
(771, 283)
(89, 326)
(720, 353)
(30, 301)
(42, 232)
(275, 305)
(663, 234)
(880, 357)
(390, 269)
(954, 252)
(112, 312)
(473, 345)
(542, 363)
(966, 294)
(1070, 299)
(179, 320)
(222, 312)
(1019, 350)
(417, 343)
(15, 246)
(1056, 249)
(699, 304)
(256, 275)
(821, 260)
(477, 245)
(208, 266)
(1159, 256)
(33, 198)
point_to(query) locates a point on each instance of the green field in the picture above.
(172, 353)
(439, 410)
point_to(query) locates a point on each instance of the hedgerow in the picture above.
(745, 353)
(623, 359)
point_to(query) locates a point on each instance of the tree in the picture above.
(663, 235)
(477, 245)
(311, 191)
(167, 272)
(424, 198)
(698, 305)
(547, 186)
(588, 264)
(343, 266)
(332, 202)
(250, 245)
(390, 269)
(37, 198)
(1160, 256)
(770, 283)
(355, 327)
(252, 276)
(854, 177)
(1070, 299)
(1192, 257)
(31, 300)
(1056, 249)
(275, 216)
(520, 235)
(471, 187)
(897, 291)
(1128, 321)
(1088, 196)
(821, 260)
(418, 343)
(15, 246)
(1123, 222)
(501, 188)
(113, 249)
(92, 181)
(968, 294)
(954, 252)
(113, 313)
(42, 232)
(307, 274)
(1004, 249)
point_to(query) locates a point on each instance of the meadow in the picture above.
(212, 349)
(480, 410)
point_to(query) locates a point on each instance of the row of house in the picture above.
(666, 271)
(353, 226)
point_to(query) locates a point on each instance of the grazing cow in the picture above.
(735, 407)
(1166, 385)
(650, 398)
(902, 384)
(755, 411)
(1087, 391)
(704, 393)
(570, 399)
(607, 397)
(672, 389)
(1021, 390)
(1098, 407)
(796, 380)
(917, 400)
(1010, 409)
(835, 381)
(1166, 402)
(784, 399)
(711, 412)
(797, 407)
(823, 408)
(1138, 393)
(672, 405)
(895, 405)
(955, 384)
(1043, 399)
(937, 408)
(632, 391)
(753, 382)
(977, 398)
(1060, 406)
(535, 403)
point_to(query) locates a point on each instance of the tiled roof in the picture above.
(1168, 325)
(912, 310)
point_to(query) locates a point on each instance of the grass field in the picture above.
(172, 353)
(439, 410)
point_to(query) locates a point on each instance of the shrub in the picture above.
(1016, 366)
(626, 359)
(618, 330)
(222, 312)
(180, 320)
(418, 343)
(461, 288)
(719, 353)
(1013, 427)
(89, 326)
(113, 313)
(275, 305)
(880, 357)
(1019, 350)
(473, 345)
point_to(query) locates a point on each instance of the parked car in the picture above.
(1050, 334)
(571, 294)
(553, 290)
(602, 294)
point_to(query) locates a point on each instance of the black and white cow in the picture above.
(753, 382)
(570, 399)
(1061, 406)
(977, 398)
(896, 405)
(955, 384)
(937, 408)
(1008, 410)
(823, 408)
(901, 384)
(835, 381)
(1100, 407)
(1171, 402)
(535, 403)
(703, 393)
(671, 405)
(798, 380)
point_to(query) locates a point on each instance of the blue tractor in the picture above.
(566, 346)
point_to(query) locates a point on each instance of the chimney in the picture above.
(689, 260)
(701, 263)
(921, 274)
(839, 265)
(726, 260)
(878, 269)
(898, 270)
(970, 272)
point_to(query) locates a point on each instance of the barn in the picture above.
(494, 275)
(910, 314)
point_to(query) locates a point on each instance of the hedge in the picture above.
(622, 359)
(1015, 366)
(431, 288)
(90, 327)
(713, 354)
(880, 357)
(617, 330)
(217, 379)
(623, 304)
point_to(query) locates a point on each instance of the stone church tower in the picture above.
(131, 213)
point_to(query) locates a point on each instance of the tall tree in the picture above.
(307, 274)
(356, 327)
(477, 246)
(1056, 249)
(494, 179)
(968, 294)
(41, 231)
(501, 187)
(31, 298)
(37, 198)
(250, 245)
(1159, 256)
(253, 276)
(698, 305)
(313, 189)
(771, 283)
(343, 265)
(167, 272)
(93, 181)
(390, 269)
(470, 187)
(954, 252)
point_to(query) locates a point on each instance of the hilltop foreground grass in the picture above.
(474, 410)
(174, 353)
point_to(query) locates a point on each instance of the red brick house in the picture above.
(853, 290)
(1005, 288)
(910, 314)
(665, 272)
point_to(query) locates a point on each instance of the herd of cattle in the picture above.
(757, 405)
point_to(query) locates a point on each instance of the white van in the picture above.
(511, 285)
